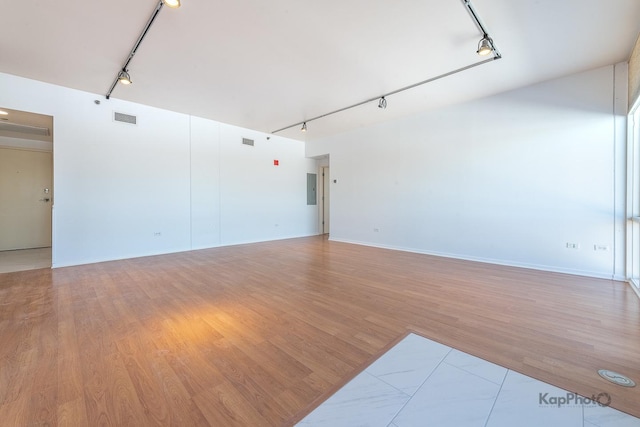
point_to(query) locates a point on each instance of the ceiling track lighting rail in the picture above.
(483, 29)
(379, 98)
(486, 44)
(123, 73)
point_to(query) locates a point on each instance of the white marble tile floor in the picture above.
(420, 382)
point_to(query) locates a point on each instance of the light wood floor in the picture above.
(257, 335)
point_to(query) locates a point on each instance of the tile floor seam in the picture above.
(496, 399)
(390, 385)
(422, 384)
(476, 375)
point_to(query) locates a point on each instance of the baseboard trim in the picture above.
(173, 251)
(634, 288)
(547, 268)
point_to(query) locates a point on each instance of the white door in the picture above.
(26, 194)
(325, 200)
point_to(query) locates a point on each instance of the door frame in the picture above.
(39, 146)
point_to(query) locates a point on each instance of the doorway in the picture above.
(26, 190)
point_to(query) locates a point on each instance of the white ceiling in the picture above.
(268, 64)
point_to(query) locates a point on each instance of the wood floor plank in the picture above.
(72, 413)
(148, 390)
(256, 334)
(182, 409)
(224, 405)
(110, 395)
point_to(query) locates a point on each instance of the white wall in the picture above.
(189, 179)
(260, 201)
(508, 179)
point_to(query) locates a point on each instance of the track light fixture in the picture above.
(485, 46)
(124, 78)
(174, 4)
(123, 74)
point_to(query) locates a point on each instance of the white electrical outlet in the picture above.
(157, 234)
(600, 247)
(573, 245)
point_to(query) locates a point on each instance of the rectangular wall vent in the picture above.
(247, 141)
(124, 118)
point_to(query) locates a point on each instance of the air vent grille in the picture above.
(247, 141)
(124, 118)
(25, 129)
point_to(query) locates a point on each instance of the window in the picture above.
(633, 198)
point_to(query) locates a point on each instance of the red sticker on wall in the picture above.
(276, 162)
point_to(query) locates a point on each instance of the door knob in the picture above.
(46, 199)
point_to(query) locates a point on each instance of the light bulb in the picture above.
(174, 4)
